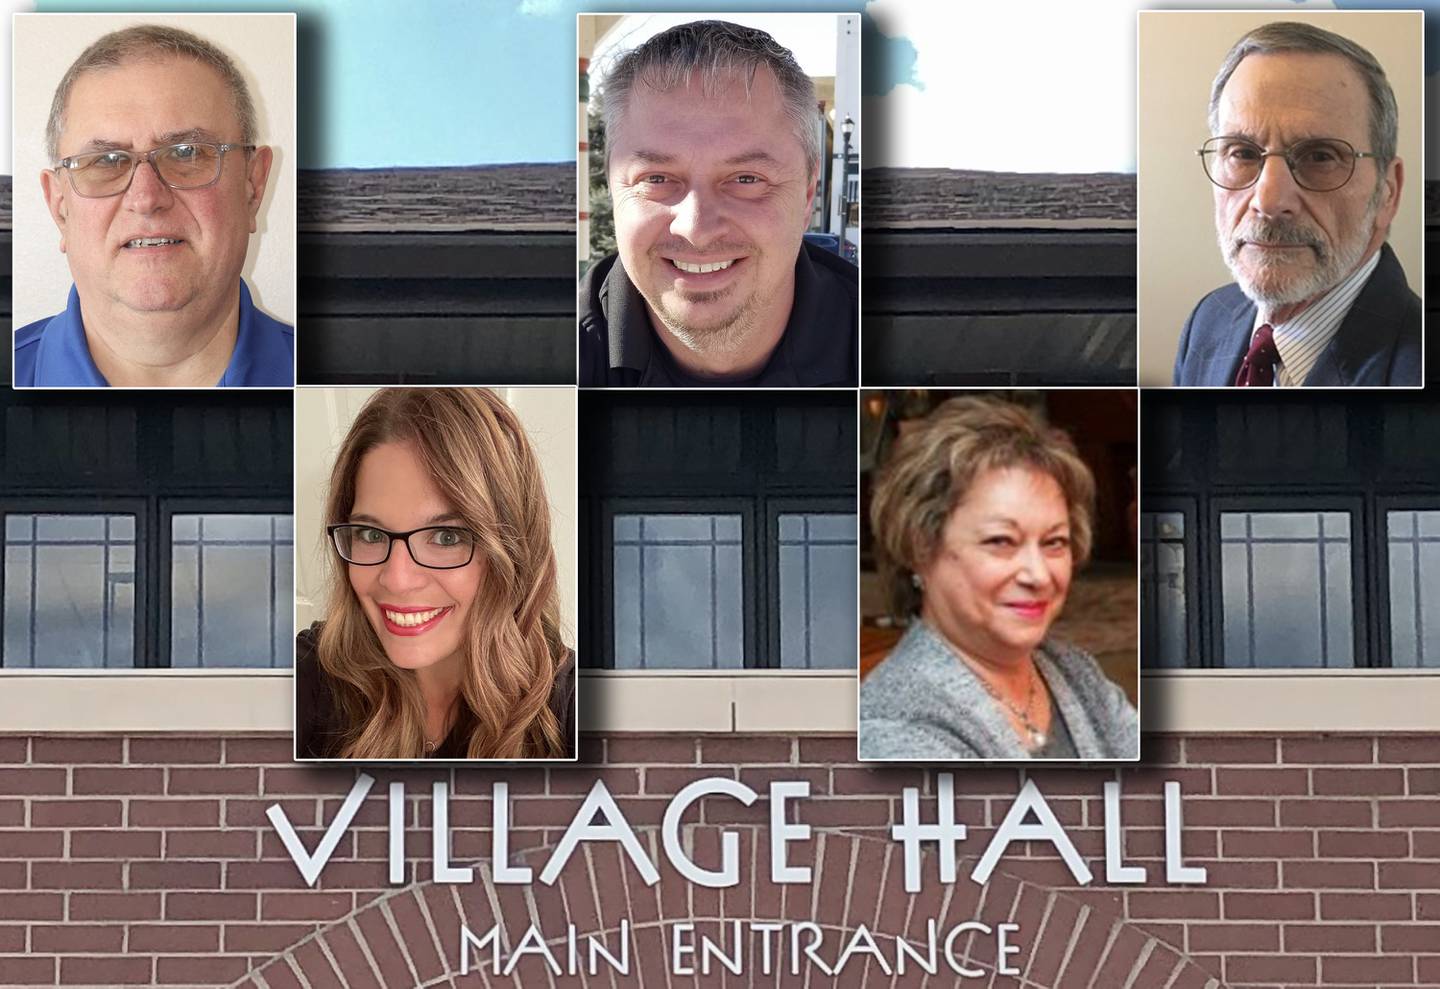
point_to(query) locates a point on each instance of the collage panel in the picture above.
(1302, 197)
(1290, 533)
(719, 174)
(933, 648)
(719, 530)
(436, 590)
(165, 152)
(998, 576)
(147, 531)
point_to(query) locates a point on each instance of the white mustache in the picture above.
(1272, 232)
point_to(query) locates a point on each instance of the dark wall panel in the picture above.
(999, 307)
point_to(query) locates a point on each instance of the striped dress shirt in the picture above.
(1302, 339)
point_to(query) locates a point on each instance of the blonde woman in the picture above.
(981, 518)
(442, 636)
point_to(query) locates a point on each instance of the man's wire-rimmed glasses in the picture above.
(101, 174)
(439, 547)
(1318, 164)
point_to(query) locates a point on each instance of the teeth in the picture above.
(151, 242)
(411, 618)
(701, 269)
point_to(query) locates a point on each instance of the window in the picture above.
(75, 583)
(231, 575)
(817, 568)
(69, 590)
(180, 551)
(1165, 616)
(1295, 532)
(720, 529)
(678, 591)
(1286, 591)
(1413, 539)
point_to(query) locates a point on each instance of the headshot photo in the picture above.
(998, 576)
(154, 200)
(434, 611)
(1281, 197)
(719, 230)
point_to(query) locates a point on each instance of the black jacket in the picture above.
(317, 717)
(820, 346)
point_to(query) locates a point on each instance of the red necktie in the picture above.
(1258, 367)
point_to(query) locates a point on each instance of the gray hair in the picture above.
(1293, 36)
(155, 42)
(718, 51)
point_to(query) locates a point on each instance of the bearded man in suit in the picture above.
(1306, 183)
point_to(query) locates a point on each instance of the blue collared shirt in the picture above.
(52, 353)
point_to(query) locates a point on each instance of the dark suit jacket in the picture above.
(1377, 344)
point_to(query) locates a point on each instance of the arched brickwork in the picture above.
(411, 937)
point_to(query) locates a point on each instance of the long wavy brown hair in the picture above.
(475, 450)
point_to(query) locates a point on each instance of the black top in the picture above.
(619, 348)
(317, 720)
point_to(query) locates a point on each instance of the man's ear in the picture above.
(1394, 181)
(257, 173)
(57, 195)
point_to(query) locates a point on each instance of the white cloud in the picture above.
(539, 8)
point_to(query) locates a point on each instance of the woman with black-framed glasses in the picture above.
(442, 637)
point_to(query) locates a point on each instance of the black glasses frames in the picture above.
(442, 547)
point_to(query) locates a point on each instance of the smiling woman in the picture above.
(980, 519)
(443, 632)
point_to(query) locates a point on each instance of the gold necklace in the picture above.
(1035, 738)
(431, 744)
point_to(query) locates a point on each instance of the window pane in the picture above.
(678, 594)
(1162, 576)
(69, 591)
(1286, 598)
(818, 567)
(1414, 539)
(231, 593)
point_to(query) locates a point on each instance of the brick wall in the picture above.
(147, 860)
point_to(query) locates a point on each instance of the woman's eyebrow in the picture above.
(433, 520)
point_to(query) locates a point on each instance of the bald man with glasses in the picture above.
(1306, 183)
(156, 185)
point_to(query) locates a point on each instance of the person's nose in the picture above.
(1275, 192)
(148, 193)
(698, 216)
(400, 574)
(1034, 572)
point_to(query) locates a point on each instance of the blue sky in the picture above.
(458, 82)
(449, 82)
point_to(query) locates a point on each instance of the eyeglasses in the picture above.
(1319, 165)
(101, 174)
(440, 547)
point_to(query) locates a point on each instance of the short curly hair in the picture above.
(933, 468)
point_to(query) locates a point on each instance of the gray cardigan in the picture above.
(923, 702)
